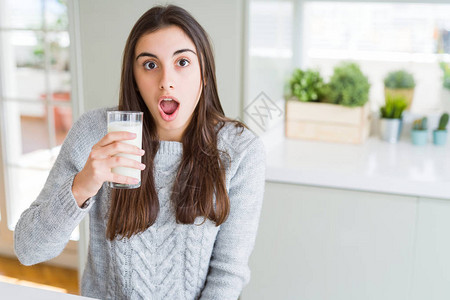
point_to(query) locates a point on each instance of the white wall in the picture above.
(104, 28)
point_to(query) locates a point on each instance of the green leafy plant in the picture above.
(394, 107)
(443, 122)
(348, 86)
(399, 79)
(306, 86)
(420, 124)
(446, 79)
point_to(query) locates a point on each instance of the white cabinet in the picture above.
(320, 243)
(431, 273)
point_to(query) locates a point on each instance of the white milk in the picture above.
(134, 127)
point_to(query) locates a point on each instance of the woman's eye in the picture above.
(183, 62)
(149, 65)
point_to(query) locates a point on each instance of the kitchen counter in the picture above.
(375, 166)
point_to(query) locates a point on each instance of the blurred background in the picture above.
(340, 220)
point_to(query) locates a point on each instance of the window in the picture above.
(35, 98)
(269, 61)
(381, 37)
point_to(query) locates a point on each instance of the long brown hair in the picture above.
(201, 174)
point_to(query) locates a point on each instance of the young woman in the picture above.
(188, 231)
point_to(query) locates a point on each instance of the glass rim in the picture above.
(125, 112)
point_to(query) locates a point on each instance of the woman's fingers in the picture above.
(119, 147)
(119, 161)
(123, 179)
(116, 148)
(115, 136)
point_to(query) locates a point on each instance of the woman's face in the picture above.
(167, 73)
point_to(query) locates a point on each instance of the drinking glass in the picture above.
(130, 121)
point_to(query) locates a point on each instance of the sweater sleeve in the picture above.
(228, 270)
(44, 229)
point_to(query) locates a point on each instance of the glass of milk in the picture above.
(127, 121)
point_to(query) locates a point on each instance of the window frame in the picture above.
(70, 257)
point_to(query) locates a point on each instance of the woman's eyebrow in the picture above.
(175, 53)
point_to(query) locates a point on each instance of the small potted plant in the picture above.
(306, 86)
(446, 78)
(440, 134)
(400, 83)
(391, 118)
(445, 90)
(419, 132)
(348, 86)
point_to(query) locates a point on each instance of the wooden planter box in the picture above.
(327, 122)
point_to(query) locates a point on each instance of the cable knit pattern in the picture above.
(168, 260)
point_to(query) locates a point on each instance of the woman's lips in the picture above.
(164, 116)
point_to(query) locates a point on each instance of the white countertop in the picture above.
(18, 292)
(374, 166)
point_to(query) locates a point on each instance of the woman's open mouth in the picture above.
(168, 107)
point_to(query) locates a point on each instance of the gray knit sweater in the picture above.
(168, 260)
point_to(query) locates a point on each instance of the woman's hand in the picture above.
(98, 167)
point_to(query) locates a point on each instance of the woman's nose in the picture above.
(166, 82)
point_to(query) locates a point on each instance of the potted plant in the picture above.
(307, 86)
(419, 132)
(391, 118)
(445, 90)
(348, 86)
(440, 134)
(400, 83)
(446, 78)
(334, 112)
